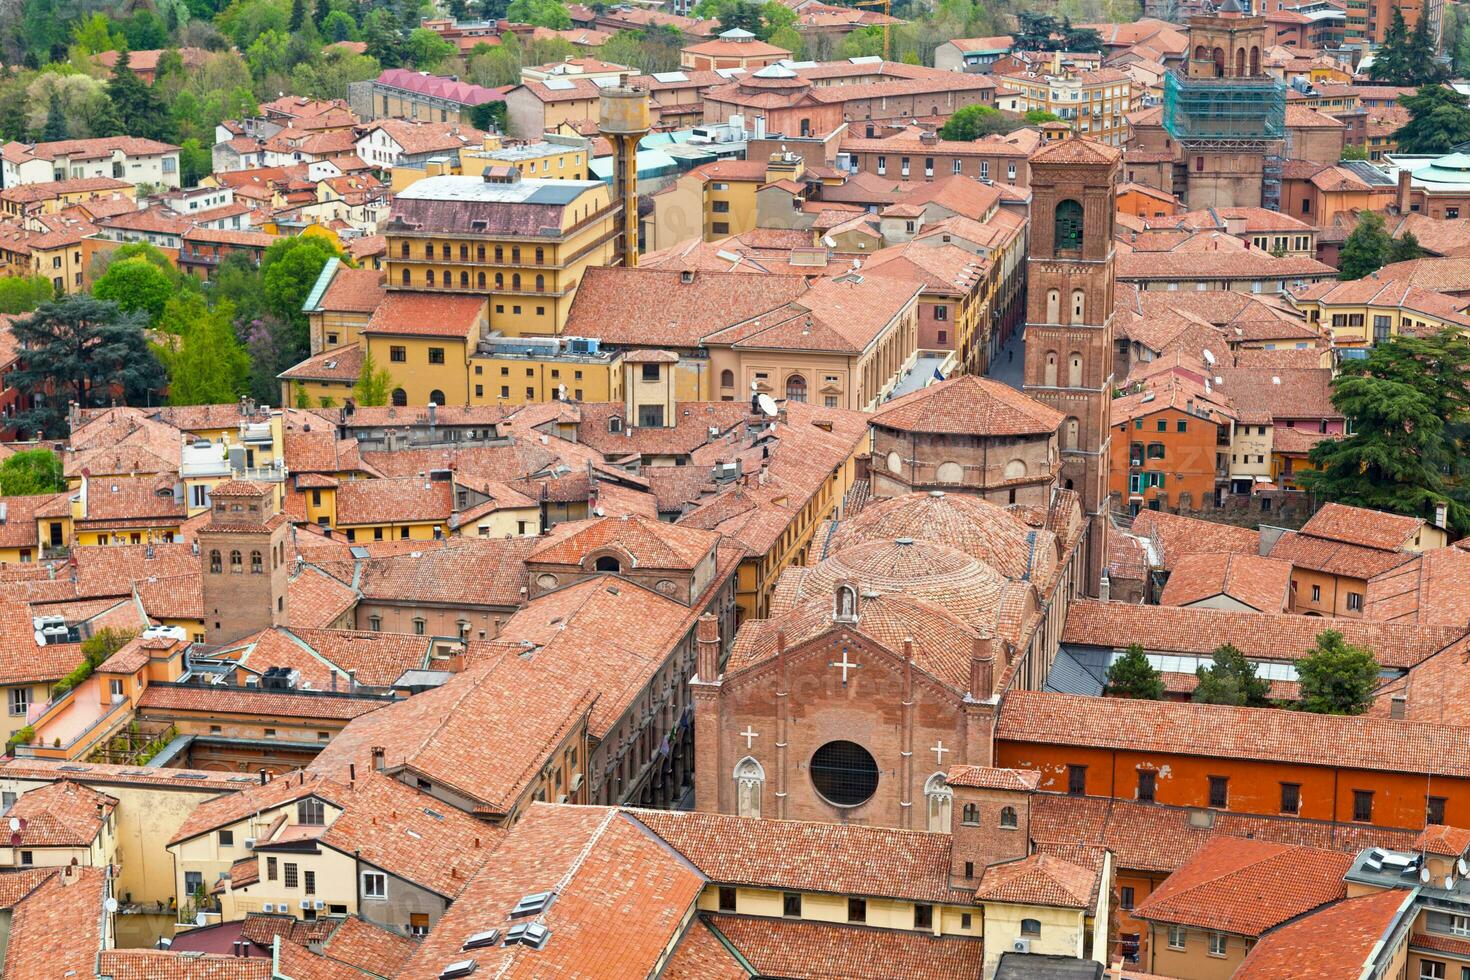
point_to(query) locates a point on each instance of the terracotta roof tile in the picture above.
(56, 930)
(788, 948)
(1336, 557)
(413, 314)
(645, 543)
(654, 308)
(701, 956)
(159, 964)
(1358, 525)
(1247, 887)
(808, 856)
(394, 501)
(249, 701)
(1260, 583)
(1331, 944)
(1186, 728)
(611, 878)
(61, 814)
(1444, 841)
(1432, 589)
(1041, 879)
(984, 777)
(368, 947)
(968, 405)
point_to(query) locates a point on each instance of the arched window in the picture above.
(939, 798)
(1219, 58)
(796, 388)
(1200, 54)
(400, 397)
(428, 250)
(1255, 60)
(1074, 370)
(540, 283)
(727, 378)
(499, 280)
(448, 277)
(236, 565)
(515, 254)
(1030, 927)
(1239, 62)
(499, 253)
(429, 277)
(1015, 469)
(1049, 370)
(540, 255)
(257, 564)
(607, 563)
(436, 397)
(403, 250)
(515, 281)
(970, 815)
(1053, 306)
(214, 561)
(950, 472)
(1008, 817)
(464, 280)
(1069, 226)
(481, 279)
(895, 463)
(1069, 434)
(479, 253)
(407, 279)
(750, 783)
(1079, 306)
(615, 424)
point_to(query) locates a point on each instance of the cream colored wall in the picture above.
(206, 855)
(1194, 962)
(503, 523)
(777, 367)
(336, 884)
(1062, 931)
(1247, 443)
(678, 215)
(882, 913)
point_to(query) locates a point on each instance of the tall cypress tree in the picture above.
(1391, 60)
(55, 120)
(139, 108)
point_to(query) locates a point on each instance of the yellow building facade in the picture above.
(524, 244)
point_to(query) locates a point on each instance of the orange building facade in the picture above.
(1162, 457)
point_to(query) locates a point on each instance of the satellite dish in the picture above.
(1449, 883)
(1424, 875)
(767, 403)
(40, 638)
(829, 241)
(15, 825)
(111, 904)
(1463, 867)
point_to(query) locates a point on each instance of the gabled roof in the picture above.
(647, 543)
(1335, 943)
(1361, 526)
(61, 814)
(1247, 887)
(968, 405)
(1075, 150)
(1261, 583)
(1041, 879)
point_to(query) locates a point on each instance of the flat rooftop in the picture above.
(451, 188)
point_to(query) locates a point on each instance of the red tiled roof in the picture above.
(56, 931)
(1246, 887)
(1359, 525)
(1444, 841)
(1268, 734)
(971, 406)
(1331, 944)
(791, 948)
(438, 87)
(1041, 879)
(428, 315)
(1260, 583)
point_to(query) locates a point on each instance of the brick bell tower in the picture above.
(1069, 318)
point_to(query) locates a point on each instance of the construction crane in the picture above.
(887, 6)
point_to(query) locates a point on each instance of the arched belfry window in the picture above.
(750, 781)
(939, 798)
(1069, 226)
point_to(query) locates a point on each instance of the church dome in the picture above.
(977, 527)
(947, 577)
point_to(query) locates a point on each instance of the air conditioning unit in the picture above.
(268, 907)
(306, 903)
(318, 905)
(1020, 945)
(249, 843)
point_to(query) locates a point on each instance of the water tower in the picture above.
(623, 120)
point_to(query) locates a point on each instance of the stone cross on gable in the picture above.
(750, 735)
(845, 665)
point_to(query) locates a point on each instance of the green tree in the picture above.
(139, 108)
(55, 120)
(195, 162)
(373, 383)
(207, 364)
(788, 38)
(1366, 249)
(94, 34)
(1406, 404)
(298, 15)
(501, 65)
(83, 349)
(1424, 55)
(1405, 249)
(740, 16)
(1337, 678)
(542, 13)
(1230, 679)
(384, 41)
(289, 268)
(30, 472)
(1391, 60)
(1132, 676)
(328, 76)
(1354, 152)
(21, 294)
(135, 285)
(339, 26)
(972, 122)
(145, 31)
(1036, 117)
(427, 50)
(1438, 120)
(1035, 31)
(489, 117)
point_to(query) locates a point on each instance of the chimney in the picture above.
(263, 777)
(982, 671)
(707, 641)
(378, 758)
(352, 772)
